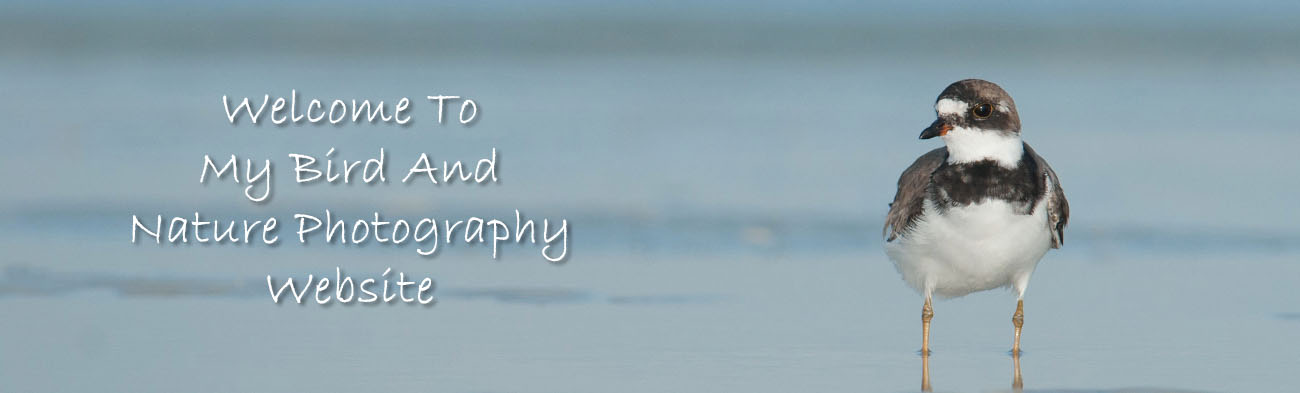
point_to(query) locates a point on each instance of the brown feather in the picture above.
(910, 199)
(914, 184)
(1058, 213)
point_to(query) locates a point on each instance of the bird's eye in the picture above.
(981, 111)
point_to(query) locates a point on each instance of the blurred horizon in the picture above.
(1100, 72)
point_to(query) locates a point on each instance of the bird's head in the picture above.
(977, 120)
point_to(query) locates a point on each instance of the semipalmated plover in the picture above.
(978, 213)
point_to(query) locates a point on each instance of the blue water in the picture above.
(724, 168)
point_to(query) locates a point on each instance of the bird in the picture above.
(978, 213)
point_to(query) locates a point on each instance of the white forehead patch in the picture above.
(948, 106)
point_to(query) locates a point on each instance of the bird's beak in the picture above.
(938, 128)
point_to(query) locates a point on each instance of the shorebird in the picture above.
(978, 213)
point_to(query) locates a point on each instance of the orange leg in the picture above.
(927, 313)
(1018, 319)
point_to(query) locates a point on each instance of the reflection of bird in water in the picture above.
(1017, 383)
(925, 373)
(978, 213)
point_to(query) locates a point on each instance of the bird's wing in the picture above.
(1058, 209)
(910, 198)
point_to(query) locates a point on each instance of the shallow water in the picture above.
(725, 173)
(836, 322)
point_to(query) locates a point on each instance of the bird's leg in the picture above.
(927, 313)
(1018, 319)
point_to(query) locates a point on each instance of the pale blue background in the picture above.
(725, 167)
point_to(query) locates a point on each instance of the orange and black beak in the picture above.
(938, 128)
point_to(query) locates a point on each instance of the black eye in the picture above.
(982, 111)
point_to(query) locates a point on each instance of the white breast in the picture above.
(971, 248)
